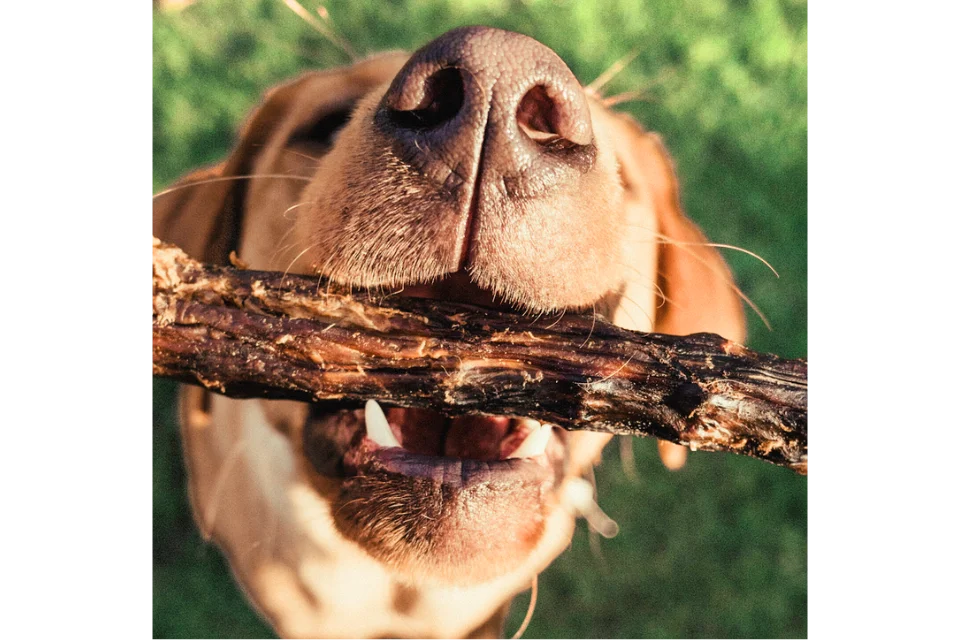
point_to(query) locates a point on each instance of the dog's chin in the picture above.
(463, 500)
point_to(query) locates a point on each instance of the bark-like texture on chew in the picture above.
(249, 333)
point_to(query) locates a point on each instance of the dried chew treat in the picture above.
(264, 334)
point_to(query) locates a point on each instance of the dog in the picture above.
(478, 170)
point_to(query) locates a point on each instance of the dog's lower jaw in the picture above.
(280, 536)
(460, 503)
(475, 525)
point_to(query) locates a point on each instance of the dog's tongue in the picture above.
(421, 430)
(430, 433)
(477, 437)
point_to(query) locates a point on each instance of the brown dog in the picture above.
(477, 170)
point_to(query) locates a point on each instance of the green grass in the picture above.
(716, 550)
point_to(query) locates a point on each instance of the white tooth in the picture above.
(378, 429)
(535, 444)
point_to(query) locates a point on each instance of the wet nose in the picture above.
(481, 105)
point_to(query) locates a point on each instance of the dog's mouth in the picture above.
(448, 499)
(455, 498)
(347, 439)
(457, 451)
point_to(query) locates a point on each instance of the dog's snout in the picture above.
(480, 157)
(484, 100)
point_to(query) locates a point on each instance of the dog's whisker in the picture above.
(717, 245)
(323, 28)
(628, 461)
(613, 374)
(397, 292)
(611, 72)
(292, 262)
(646, 282)
(664, 239)
(305, 156)
(281, 248)
(733, 287)
(323, 273)
(347, 503)
(229, 462)
(642, 94)
(559, 318)
(626, 96)
(276, 43)
(592, 327)
(291, 208)
(530, 608)
(633, 321)
(194, 183)
(685, 246)
(753, 306)
(742, 250)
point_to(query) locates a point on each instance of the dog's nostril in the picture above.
(543, 120)
(441, 102)
(536, 115)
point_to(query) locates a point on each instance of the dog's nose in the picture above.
(480, 108)
(483, 159)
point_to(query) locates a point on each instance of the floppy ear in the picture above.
(695, 285)
(203, 212)
(695, 290)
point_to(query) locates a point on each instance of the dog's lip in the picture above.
(468, 463)
(337, 445)
(458, 473)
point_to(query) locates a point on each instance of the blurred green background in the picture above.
(717, 549)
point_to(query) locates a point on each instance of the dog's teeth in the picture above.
(535, 444)
(378, 429)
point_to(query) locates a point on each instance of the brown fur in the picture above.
(323, 555)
